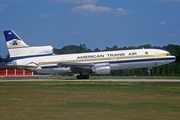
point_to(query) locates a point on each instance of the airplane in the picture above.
(41, 59)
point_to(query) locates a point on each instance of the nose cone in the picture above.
(172, 58)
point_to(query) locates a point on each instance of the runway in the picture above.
(93, 80)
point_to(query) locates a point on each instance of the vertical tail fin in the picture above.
(18, 48)
(13, 40)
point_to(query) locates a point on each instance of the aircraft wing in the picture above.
(101, 68)
(76, 65)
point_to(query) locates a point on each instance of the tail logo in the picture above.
(16, 43)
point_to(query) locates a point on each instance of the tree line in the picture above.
(172, 69)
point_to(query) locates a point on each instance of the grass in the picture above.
(89, 100)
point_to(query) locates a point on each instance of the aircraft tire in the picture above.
(82, 76)
(86, 76)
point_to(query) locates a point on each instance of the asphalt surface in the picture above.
(95, 80)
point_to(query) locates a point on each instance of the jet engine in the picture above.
(100, 70)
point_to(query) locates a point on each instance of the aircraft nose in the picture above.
(173, 58)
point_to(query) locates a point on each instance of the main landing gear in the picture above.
(82, 76)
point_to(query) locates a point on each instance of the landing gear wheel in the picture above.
(82, 76)
(79, 77)
(86, 76)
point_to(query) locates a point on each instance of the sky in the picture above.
(95, 23)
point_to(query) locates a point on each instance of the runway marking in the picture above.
(95, 80)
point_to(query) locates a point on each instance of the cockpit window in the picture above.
(168, 54)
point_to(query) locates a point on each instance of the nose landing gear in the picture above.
(149, 70)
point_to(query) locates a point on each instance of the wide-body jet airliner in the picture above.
(42, 59)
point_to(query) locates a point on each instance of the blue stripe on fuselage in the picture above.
(142, 60)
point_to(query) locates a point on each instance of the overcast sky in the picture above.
(96, 23)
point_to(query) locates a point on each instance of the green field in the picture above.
(89, 100)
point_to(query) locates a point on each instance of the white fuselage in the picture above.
(121, 59)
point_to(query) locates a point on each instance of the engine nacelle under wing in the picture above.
(101, 70)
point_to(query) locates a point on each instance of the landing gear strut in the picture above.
(149, 70)
(82, 76)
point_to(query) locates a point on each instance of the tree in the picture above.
(96, 50)
(114, 47)
(108, 49)
(145, 46)
(1, 59)
(72, 49)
